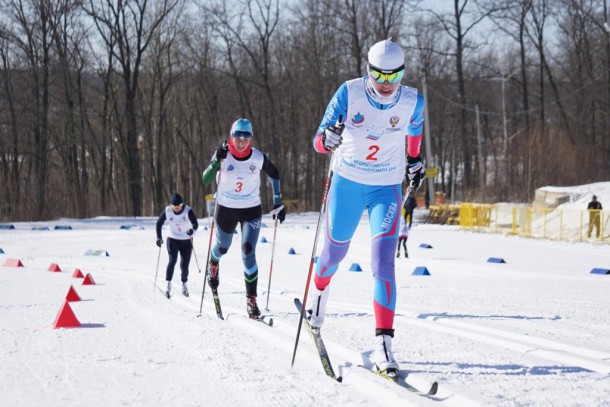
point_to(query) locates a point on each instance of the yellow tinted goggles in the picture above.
(392, 77)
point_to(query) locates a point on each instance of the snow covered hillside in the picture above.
(533, 331)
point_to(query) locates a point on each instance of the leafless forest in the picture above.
(108, 106)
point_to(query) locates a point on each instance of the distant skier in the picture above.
(403, 235)
(182, 224)
(410, 205)
(594, 208)
(238, 201)
(383, 119)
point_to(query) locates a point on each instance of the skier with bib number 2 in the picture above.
(378, 142)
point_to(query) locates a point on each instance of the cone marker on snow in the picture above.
(54, 267)
(88, 280)
(72, 295)
(66, 318)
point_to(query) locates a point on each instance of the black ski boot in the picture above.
(253, 311)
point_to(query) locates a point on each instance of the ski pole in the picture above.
(274, 212)
(157, 269)
(195, 254)
(329, 177)
(207, 262)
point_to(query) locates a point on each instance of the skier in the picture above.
(382, 117)
(410, 205)
(238, 165)
(403, 235)
(182, 224)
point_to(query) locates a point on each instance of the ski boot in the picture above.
(253, 311)
(185, 290)
(213, 277)
(383, 357)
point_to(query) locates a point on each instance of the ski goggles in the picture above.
(393, 76)
(241, 134)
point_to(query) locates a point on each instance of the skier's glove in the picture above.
(190, 232)
(281, 215)
(222, 152)
(332, 138)
(159, 242)
(415, 172)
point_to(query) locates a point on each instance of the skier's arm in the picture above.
(274, 175)
(160, 223)
(415, 128)
(336, 107)
(193, 219)
(209, 174)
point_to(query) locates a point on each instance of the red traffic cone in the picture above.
(88, 280)
(72, 295)
(54, 267)
(77, 274)
(66, 318)
(13, 263)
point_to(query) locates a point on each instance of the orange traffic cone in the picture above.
(66, 318)
(72, 295)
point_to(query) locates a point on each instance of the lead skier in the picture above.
(381, 136)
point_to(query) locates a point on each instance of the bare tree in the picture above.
(127, 29)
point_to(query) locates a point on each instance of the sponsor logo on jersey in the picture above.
(252, 169)
(358, 120)
(394, 120)
(373, 137)
(230, 168)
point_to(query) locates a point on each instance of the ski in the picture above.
(217, 303)
(265, 320)
(317, 339)
(401, 379)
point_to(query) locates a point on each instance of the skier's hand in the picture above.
(281, 215)
(190, 232)
(415, 172)
(332, 138)
(222, 152)
(159, 242)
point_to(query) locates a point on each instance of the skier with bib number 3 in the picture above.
(379, 141)
(238, 201)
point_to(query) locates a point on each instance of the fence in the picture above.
(541, 223)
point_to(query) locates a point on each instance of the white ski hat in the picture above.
(386, 55)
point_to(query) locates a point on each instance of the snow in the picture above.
(533, 331)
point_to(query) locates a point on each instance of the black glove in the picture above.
(332, 138)
(159, 242)
(190, 232)
(415, 172)
(222, 152)
(281, 215)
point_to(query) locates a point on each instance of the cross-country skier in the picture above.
(182, 224)
(383, 121)
(403, 235)
(238, 201)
